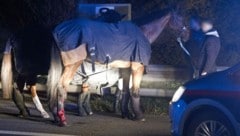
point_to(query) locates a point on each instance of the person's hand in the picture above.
(203, 73)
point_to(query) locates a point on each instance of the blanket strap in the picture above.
(92, 52)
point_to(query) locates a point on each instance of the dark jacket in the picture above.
(194, 45)
(209, 52)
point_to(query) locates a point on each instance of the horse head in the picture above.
(171, 19)
(177, 23)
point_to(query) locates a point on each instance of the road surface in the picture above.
(100, 124)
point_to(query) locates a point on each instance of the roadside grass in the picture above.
(150, 105)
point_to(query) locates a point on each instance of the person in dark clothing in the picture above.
(210, 48)
(194, 44)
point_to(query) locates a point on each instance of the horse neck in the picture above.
(153, 29)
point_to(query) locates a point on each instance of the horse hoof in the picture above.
(82, 115)
(90, 113)
(63, 124)
(139, 119)
(45, 115)
(24, 114)
(127, 116)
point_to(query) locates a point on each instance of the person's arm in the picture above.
(212, 50)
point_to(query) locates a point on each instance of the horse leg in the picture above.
(18, 96)
(81, 98)
(37, 102)
(84, 107)
(117, 102)
(137, 73)
(87, 105)
(125, 73)
(65, 80)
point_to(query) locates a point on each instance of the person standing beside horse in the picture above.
(194, 44)
(210, 48)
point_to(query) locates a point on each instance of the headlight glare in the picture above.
(178, 94)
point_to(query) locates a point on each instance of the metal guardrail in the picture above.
(150, 84)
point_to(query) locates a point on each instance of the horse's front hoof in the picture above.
(82, 114)
(90, 113)
(127, 116)
(45, 115)
(63, 124)
(140, 119)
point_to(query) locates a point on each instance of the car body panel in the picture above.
(220, 91)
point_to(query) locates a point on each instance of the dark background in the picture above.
(15, 14)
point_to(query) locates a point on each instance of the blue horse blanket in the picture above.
(119, 41)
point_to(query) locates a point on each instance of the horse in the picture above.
(65, 63)
(78, 40)
(27, 46)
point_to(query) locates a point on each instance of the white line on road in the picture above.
(29, 133)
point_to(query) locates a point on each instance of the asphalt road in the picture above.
(100, 124)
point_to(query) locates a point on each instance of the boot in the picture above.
(18, 99)
(136, 106)
(39, 107)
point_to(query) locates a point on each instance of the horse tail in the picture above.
(54, 74)
(7, 73)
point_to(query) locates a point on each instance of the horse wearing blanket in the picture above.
(115, 45)
(119, 45)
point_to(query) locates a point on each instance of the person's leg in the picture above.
(18, 97)
(137, 73)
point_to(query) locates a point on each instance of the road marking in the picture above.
(29, 133)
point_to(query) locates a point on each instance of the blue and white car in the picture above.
(209, 106)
